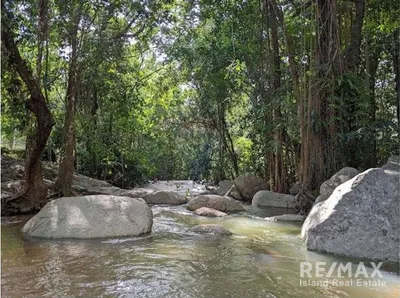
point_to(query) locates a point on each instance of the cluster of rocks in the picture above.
(251, 188)
(355, 215)
(103, 210)
(243, 188)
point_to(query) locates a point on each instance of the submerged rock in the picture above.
(165, 197)
(221, 203)
(205, 211)
(360, 219)
(211, 229)
(266, 198)
(287, 217)
(248, 185)
(88, 217)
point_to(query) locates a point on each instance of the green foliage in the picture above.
(178, 89)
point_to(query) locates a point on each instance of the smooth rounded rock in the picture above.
(165, 197)
(248, 185)
(266, 198)
(220, 203)
(89, 217)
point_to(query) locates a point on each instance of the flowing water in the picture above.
(261, 259)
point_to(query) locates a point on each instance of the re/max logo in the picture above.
(320, 270)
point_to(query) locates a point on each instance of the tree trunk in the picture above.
(35, 192)
(372, 62)
(352, 55)
(396, 66)
(323, 147)
(63, 185)
(231, 149)
(279, 171)
(221, 147)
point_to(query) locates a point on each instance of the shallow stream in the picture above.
(261, 259)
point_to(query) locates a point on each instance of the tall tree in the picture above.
(63, 184)
(322, 131)
(35, 191)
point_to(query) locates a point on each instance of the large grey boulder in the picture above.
(221, 203)
(266, 198)
(338, 178)
(360, 219)
(211, 229)
(235, 194)
(165, 197)
(91, 217)
(223, 187)
(248, 185)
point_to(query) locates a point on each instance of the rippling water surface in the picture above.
(261, 259)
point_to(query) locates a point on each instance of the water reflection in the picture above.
(261, 259)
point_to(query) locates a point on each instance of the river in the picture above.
(261, 259)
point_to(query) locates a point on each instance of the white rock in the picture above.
(87, 217)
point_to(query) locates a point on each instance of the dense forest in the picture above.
(128, 91)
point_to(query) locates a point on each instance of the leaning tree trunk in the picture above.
(35, 191)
